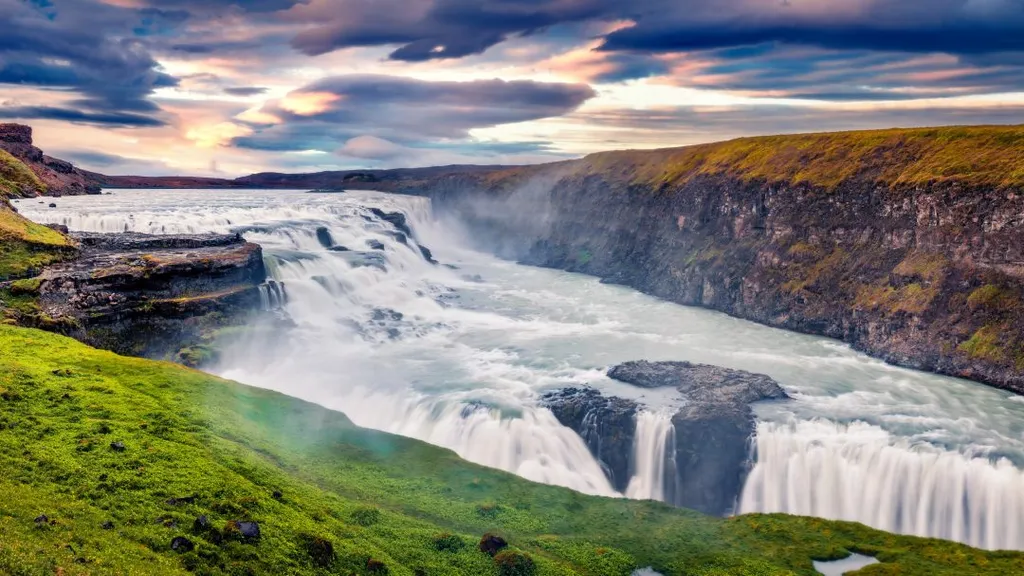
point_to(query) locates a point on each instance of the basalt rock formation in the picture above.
(152, 296)
(908, 244)
(58, 177)
(707, 456)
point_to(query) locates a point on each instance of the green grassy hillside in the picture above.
(972, 155)
(105, 460)
(25, 247)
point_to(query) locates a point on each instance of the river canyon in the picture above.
(459, 353)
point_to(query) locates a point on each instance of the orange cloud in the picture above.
(308, 103)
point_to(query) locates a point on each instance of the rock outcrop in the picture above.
(152, 295)
(707, 458)
(60, 177)
(889, 240)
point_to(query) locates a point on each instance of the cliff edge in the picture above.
(53, 177)
(908, 244)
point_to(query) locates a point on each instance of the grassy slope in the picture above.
(972, 155)
(24, 245)
(371, 495)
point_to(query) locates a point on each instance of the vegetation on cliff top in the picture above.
(113, 465)
(972, 155)
(16, 179)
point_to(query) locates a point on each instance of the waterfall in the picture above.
(862, 473)
(651, 458)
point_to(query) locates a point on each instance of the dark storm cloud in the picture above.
(89, 48)
(409, 111)
(114, 119)
(434, 29)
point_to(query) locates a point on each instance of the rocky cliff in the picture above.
(57, 177)
(908, 244)
(706, 455)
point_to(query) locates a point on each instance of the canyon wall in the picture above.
(908, 244)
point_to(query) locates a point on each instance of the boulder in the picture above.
(607, 425)
(375, 244)
(396, 219)
(709, 450)
(181, 544)
(491, 544)
(323, 235)
(427, 254)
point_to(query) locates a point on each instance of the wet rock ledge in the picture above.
(153, 296)
(707, 454)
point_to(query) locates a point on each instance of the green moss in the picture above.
(986, 344)
(329, 496)
(994, 298)
(973, 155)
(16, 179)
(927, 266)
(911, 299)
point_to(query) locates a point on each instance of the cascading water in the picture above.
(862, 473)
(459, 358)
(652, 457)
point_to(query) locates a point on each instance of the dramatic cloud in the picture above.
(90, 48)
(402, 110)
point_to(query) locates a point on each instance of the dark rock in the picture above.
(427, 254)
(117, 446)
(400, 237)
(607, 425)
(148, 295)
(451, 266)
(182, 500)
(323, 235)
(374, 566)
(277, 495)
(180, 544)
(108, 525)
(202, 524)
(707, 460)
(42, 519)
(491, 544)
(245, 530)
(339, 249)
(396, 219)
(700, 381)
(52, 205)
(375, 244)
(58, 227)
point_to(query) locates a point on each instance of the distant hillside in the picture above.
(58, 177)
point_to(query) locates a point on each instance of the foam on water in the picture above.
(459, 358)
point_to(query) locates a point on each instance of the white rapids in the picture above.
(459, 357)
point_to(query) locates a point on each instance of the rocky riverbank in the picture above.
(152, 296)
(889, 240)
(707, 454)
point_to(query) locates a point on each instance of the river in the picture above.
(458, 355)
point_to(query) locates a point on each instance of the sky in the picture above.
(232, 87)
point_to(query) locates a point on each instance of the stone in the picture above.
(277, 495)
(42, 519)
(117, 446)
(52, 205)
(245, 530)
(339, 249)
(427, 254)
(201, 524)
(108, 525)
(491, 544)
(180, 544)
(396, 219)
(323, 235)
(375, 244)
(708, 453)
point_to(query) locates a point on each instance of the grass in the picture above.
(972, 155)
(25, 247)
(18, 180)
(124, 455)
